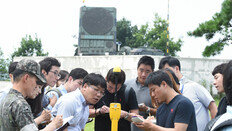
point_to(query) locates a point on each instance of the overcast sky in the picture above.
(56, 21)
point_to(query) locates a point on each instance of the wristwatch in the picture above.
(148, 110)
(127, 115)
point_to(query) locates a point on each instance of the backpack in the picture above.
(127, 93)
(56, 90)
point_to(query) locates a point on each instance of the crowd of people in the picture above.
(42, 97)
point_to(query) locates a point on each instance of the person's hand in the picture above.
(104, 109)
(46, 115)
(142, 107)
(145, 125)
(57, 121)
(156, 104)
(53, 100)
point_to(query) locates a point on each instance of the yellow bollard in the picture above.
(115, 112)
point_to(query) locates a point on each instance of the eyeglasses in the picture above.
(80, 82)
(56, 74)
(102, 93)
(109, 86)
(146, 71)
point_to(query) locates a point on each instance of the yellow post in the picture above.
(115, 112)
(115, 108)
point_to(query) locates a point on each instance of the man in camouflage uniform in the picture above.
(15, 112)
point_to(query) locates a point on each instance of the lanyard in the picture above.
(182, 89)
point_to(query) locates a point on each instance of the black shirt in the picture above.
(222, 106)
(179, 110)
(103, 122)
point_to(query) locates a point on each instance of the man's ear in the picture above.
(25, 77)
(106, 79)
(44, 72)
(85, 86)
(177, 68)
(163, 83)
(70, 78)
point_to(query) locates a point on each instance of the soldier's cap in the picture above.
(32, 67)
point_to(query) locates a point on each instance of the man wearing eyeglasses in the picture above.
(50, 68)
(15, 112)
(129, 107)
(74, 81)
(77, 103)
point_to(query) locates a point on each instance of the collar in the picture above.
(138, 83)
(61, 87)
(17, 93)
(229, 109)
(82, 98)
(182, 79)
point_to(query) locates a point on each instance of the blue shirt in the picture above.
(73, 104)
(60, 88)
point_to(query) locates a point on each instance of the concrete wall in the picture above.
(196, 69)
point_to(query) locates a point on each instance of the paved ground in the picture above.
(4, 84)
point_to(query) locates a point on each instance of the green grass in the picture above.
(90, 126)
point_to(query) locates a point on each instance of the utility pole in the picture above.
(167, 45)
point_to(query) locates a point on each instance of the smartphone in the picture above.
(136, 119)
(141, 104)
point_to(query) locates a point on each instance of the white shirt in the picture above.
(226, 116)
(200, 98)
(73, 104)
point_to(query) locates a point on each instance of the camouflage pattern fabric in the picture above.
(15, 112)
(32, 67)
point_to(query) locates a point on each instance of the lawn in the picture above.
(89, 126)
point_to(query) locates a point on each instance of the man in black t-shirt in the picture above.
(176, 112)
(129, 105)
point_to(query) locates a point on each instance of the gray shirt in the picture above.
(143, 96)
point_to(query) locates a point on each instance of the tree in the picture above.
(156, 37)
(30, 47)
(4, 63)
(220, 26)
(125, 32)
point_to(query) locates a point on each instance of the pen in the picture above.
(52, 115)
(103, 103)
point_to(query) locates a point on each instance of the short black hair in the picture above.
(95, 79)
(227, 82)
(157, 77)
(78, 73)
(12, 67)
(219, 69)
(171, 61)
(111, 76)
(47, 63)
(63, 74)
(147, 60)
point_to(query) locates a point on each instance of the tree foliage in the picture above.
(220, 24)
(153, 37)
(125, 32)
(157, 37)
(4, 63)
(30, 47)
